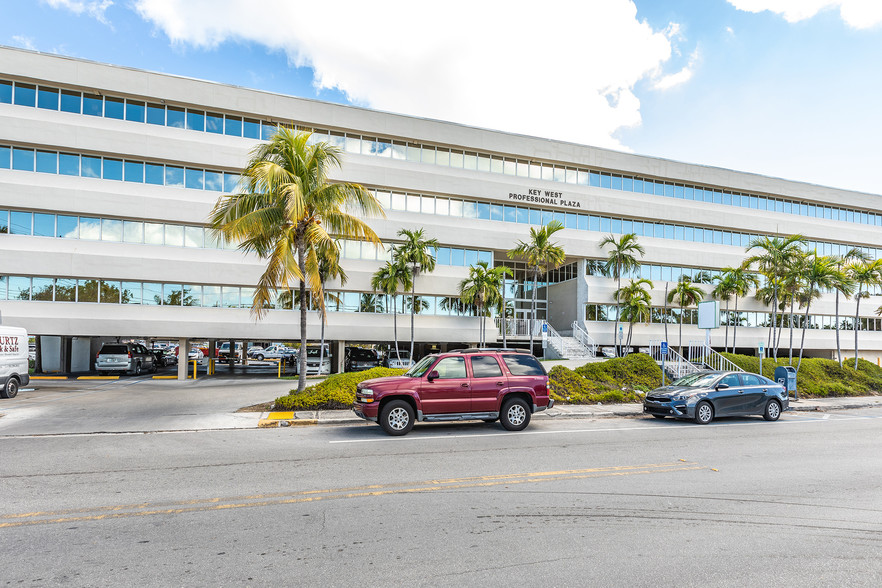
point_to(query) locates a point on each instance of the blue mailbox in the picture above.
(786, 376)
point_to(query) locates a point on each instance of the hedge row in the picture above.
(617, 380)
(335, 392)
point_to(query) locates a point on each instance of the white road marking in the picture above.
(601, 430)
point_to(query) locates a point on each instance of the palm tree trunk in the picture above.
(792, 299)
(618, 311)
(802, 341)
(726, 346)
(665, 312)
(857, 323)
(735, 326)
(838, 345)
(301, 356)
(775, 319)
(681, 330)
(502, 319)
(395, 325)
(533, 304)
(322, 346)
(412, 309)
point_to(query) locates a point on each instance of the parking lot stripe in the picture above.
(48, 377)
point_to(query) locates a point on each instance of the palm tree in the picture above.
(863, 274)
(328, 269)
(288, 211)
(724, 290)
(636, 304)
(846, 286)
(792, 285)
(818, 274)
(482, 289)
(772, 260)
(539, 253)
(620, 259)
(415, 252)
(742, 282)
(686, 294)
(390, 279)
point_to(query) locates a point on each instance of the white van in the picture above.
(13, 361)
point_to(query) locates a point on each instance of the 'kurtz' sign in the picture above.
(545, 197)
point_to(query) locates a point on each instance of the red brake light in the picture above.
(130, 355)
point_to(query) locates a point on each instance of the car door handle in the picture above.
(765, 390)
(464, 385)
(500, 383)
(741, 391)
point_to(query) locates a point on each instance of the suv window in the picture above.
(485, 366)
(523, 365)
(114, 350)
(451, 367)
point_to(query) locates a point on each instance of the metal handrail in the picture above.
(699, 351)
(584, 339)
(554, 338)
(676, 363)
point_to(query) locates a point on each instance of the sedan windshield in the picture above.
(696, 380)
(421, 367)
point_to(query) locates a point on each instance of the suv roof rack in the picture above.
(485, 349)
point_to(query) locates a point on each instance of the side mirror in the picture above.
(433, 375)
(722, 386)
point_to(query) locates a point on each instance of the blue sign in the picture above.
(544, 327)
(664, 347)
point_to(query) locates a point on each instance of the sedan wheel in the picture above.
(397, 417)
(704, 413)
(515, 415)
(259, 357)
(773, 410)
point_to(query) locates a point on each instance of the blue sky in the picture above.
(787, 88)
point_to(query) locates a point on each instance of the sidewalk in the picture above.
(561, 411)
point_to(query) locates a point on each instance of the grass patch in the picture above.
(336, 392)
(617, 380)
(821, 378)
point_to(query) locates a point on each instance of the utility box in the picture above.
(786, 376)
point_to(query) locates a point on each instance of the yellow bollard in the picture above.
(281, 363)
(195, 368)
(210, 367)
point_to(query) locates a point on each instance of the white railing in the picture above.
(582, 336)
(700, 352)
(554, 338)
(515, 328)
(675, 363)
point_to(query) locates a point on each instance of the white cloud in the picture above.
(859, 14)
(95, 8)
(666, 82)
(564, 69)
(24, 42)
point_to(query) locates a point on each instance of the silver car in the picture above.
(131, 358)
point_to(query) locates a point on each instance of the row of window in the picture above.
(445, 206)
(210, 296)
(18, 222)
(659, 315)
(25, 159)
(116, 168)
(73, 101)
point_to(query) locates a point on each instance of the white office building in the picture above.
(107, 176)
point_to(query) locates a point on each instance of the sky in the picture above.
(784, 88)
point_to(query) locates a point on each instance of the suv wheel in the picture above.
(10, 390)
(515, 415)
(137, 371)
(397, 417)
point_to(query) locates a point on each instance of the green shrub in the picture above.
(820, 378)
(622, 379)
(334, 393)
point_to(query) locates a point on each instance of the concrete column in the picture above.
(581, 291)
(338, 366)
(245, 345)
(183, 351)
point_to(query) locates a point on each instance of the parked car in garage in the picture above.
(313, 357)
(359, 359)
(398, 359)
(14, 372)
(131, 358)
(279, 352)
(704, 396)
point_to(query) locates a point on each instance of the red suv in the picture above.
(468, 384)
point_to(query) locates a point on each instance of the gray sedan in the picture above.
(704, 395)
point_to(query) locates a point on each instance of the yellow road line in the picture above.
(210, 504)
(98, 378)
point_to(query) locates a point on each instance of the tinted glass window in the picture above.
(485, 366)
(114, 350)
(114, 108)
(155, 114)
(135, 111)
(71, 101)
(93, 105)
(44, 225)
(175, 117)
(47, 98)
(214, 123)
(523, 365)
(5, 92)
(196, 120)
(233, 126)
(451, 367)
(751, 380)
(91, 166)
(25, 94)
(69, 164)
(113, 169)
(731, 380)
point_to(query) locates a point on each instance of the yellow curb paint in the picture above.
(302, 422)
(48, 377)
(281, 416)
(165, 377)
(267, 424)
(98, 378)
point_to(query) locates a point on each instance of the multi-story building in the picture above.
(107, 176)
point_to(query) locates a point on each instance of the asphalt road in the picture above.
(630, 502)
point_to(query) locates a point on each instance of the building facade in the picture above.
(107, 176)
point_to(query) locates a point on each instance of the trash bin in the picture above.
(786, 376)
